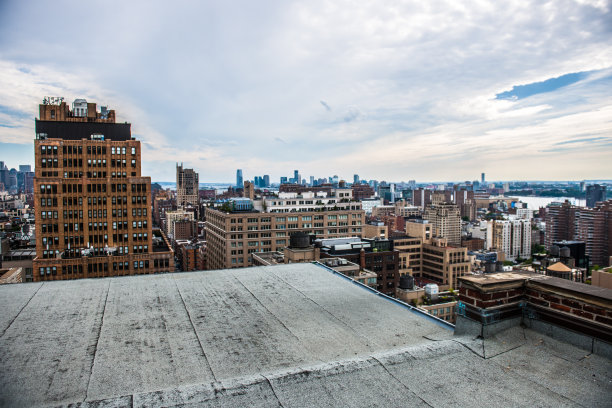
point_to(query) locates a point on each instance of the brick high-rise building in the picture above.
(421, 197)
(446, 221)
(187, 187)
(361, 191)
(560, 223)
(593, 226)
(93, 215)
(464, 199)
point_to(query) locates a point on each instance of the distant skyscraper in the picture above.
(482, 178)
(239, 182)
(25, 167)
(355, 178)
(595, 193)
(187, 186)
(266, 180)
(283, 180)
(4, 175)
(28, 182)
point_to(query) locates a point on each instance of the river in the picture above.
(535, 203)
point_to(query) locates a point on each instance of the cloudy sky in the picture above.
(425, 90)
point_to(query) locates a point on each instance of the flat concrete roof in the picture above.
(286, 335)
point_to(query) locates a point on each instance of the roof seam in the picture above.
(266, 308)
(95, 350)
(194, 329)
(20, 310)
(401, 382)
(472, 351)
(273, 391)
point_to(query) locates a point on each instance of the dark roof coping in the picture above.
(83, 130)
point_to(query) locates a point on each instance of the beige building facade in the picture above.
(430, 258)
(446, 221)
(233, 236)
(378, 230)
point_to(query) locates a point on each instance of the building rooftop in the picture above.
(559, 267)
(16, 253)
(287, 335)
(269, 258)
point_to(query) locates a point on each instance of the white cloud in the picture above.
(219, 86)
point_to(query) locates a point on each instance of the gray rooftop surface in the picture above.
(287, 335)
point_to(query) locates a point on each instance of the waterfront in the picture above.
(536, 202)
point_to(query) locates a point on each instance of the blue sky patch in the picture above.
(588, 139)
(14, 112)
(552, 84)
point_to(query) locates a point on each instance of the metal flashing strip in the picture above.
(438, 321)
(491, 315)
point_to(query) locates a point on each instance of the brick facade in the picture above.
(576, 306)
(92, 206)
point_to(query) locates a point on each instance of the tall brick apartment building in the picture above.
(93, 215)
(593, 226)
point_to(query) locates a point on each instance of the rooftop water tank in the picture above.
(564, 252)
(299, 240)
(431, 291)
(406, 282)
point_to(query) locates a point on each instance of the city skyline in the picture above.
(389, 92)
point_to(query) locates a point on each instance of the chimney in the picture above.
(362, 262)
